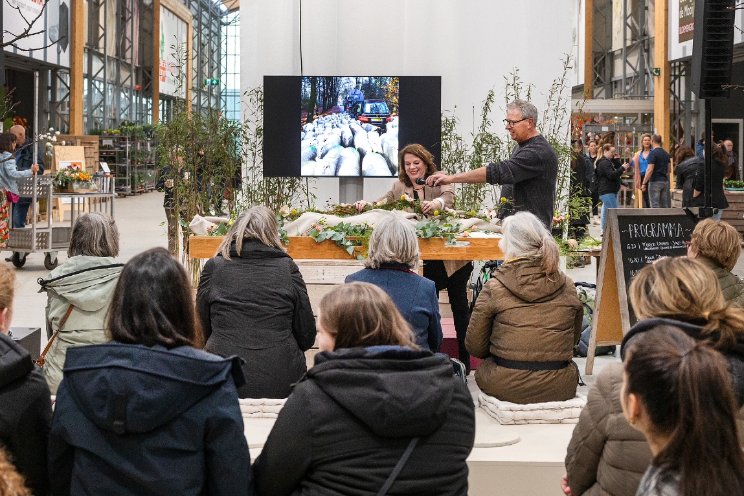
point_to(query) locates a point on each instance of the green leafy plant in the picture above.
(347, 236)
(439, 227)
(733, 183)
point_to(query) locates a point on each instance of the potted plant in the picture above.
(73, 179)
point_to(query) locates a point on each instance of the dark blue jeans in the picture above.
(20, 210)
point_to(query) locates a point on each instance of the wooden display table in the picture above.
(304, 247)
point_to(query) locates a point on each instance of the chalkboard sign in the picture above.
(644, 238)
(634, 237)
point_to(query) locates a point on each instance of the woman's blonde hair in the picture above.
(717, 240)
(257, 223)
(393, 240)
(7, 286)
(684, 289)
(525, 236)
(360, 314)
(11, 482)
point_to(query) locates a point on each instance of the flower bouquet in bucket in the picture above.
(73, 179)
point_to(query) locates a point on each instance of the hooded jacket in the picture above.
(346, 425)
(256, 306)
(522, 314)
(606, 456)
(148, 421)
(25, 414)
(88, 284)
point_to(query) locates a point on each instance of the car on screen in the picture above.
(376, 113)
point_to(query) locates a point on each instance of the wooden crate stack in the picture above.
(90, 143)
(734, 214)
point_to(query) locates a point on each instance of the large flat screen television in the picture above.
(347, 126)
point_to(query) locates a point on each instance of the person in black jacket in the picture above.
(688, 167)
(718, 169)
(608, 180)
(371, 397)
(148, 414)
(25, 406)
(582, 174)
(253, 303)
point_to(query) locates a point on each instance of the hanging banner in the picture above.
(682, 28)
(50, 25)
(172, 71)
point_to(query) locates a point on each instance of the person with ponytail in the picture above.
(677, 391)
(605, 455)
(526, 320)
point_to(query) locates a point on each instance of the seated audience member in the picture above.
(148, 414)
(717, 245)
(605, 455)
(393, 258)
(253, 303)
(677, 392)
(79, 291)
(526, 320)
(25, 406)
(373, 401)
(11, 482)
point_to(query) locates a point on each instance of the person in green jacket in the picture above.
(717, 244)
(79, 291)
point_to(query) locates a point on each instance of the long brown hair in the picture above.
(421, 152)
(685, 388)
(153, 303)
(684, 289)
(361, 314)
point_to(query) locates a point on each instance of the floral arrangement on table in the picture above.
(354, 237)
(73, 178)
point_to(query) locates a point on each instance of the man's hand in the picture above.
(438, 179)
(644, 187)
(34, 168)
(564, 485)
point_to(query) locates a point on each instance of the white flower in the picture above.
(54, 139)
(57, 133)
(51, 129)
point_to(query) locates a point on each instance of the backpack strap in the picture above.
(42, 358)
(398, 467)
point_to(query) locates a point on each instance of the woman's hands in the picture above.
(428, 207)
(34, 168)
(360, 205)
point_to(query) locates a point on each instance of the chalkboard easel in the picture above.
(634, 237)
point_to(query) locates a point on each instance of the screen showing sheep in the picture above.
(349, 126)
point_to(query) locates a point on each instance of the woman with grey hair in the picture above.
(252, 302)
(79, 291)
(393, 257)
(526, 320)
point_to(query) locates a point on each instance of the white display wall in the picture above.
(472, 44)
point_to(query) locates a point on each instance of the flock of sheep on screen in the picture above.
(338, 145)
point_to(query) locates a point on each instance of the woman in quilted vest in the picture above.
(526, 320)
(605, 454)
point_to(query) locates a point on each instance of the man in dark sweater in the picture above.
(532, 168)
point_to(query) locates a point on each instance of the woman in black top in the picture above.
(608, 180)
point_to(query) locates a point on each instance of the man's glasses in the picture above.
(510, 123)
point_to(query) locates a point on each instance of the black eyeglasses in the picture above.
(510, 123)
